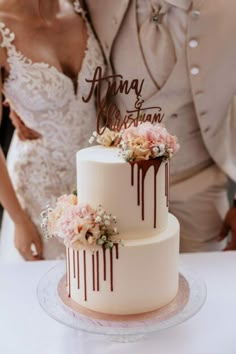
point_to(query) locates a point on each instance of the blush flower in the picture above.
(148, 141)
(139, 149)
(85, 210)
(62, 203)
(107, 138)
(79, 225)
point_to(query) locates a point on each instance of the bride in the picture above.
(47, 51)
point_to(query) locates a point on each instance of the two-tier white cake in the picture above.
(140, 273)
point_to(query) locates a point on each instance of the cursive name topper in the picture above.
(109, 115)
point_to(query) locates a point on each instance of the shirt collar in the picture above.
(183, 4)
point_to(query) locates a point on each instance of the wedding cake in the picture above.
(122, 244)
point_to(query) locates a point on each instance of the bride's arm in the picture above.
(7, 195)
(25, 232)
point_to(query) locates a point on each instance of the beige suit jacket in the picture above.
(211, 67)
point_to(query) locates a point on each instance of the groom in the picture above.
(185, 50)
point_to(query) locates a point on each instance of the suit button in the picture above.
(203, 113)
(195, 70)
(193, 43)
(196, 14)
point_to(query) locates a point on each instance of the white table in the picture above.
(26, 329)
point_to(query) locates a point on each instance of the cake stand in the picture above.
(52, 298)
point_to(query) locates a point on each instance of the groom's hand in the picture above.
(23, 132)
(229, 225)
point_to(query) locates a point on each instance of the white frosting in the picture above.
(103, 177)
(145, 275)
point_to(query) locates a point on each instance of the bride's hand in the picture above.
(23, 132)
(26, 237)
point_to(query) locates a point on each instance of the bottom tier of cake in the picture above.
(133, 277)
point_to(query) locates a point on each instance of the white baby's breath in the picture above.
(98, 219)
(91, 140)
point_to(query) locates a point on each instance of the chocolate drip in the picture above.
(93, 272)
(67, 271)
(167, 183)
(78, 273)
(111, 267)
(69, 285)
(85, 277)
(132, 174)
(155, 201)
(117, 250)
(97, 259)
(104, 264)
(74, 263)
(138, 185)
(142, 169)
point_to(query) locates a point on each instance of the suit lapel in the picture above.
(107, 17)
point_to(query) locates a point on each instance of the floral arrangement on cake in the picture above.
(108, 138)
(143, 142)
(79, 225)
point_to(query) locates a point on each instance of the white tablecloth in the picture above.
(26, 329)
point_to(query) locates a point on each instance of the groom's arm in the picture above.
(23, 132)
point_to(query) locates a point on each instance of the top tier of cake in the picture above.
(104, 178)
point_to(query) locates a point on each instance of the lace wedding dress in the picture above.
(43, 169)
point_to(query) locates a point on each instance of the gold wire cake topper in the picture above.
(108, 114)
(138, 133)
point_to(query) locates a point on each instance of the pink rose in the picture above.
(84, 210)
(62, 203)
(130, 134)
(172, 143)
(140, 142)
(65, 227)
